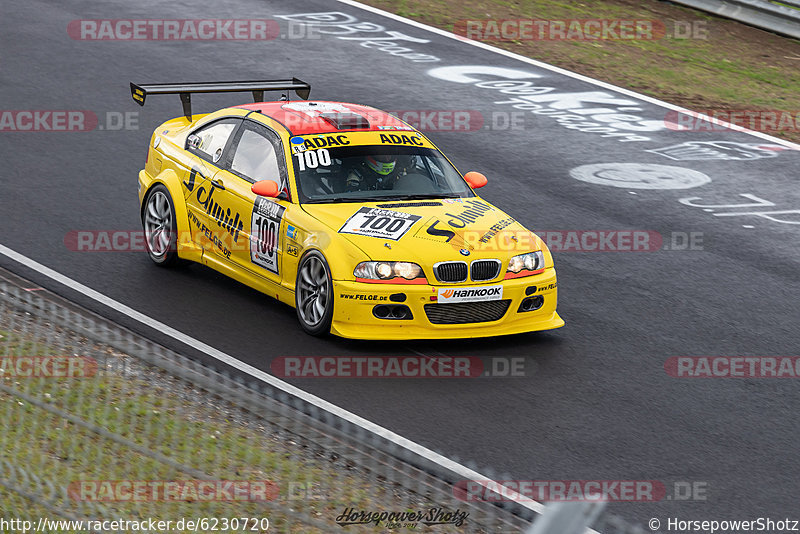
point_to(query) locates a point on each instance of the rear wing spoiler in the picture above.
(185, 90)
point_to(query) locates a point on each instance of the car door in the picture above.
(205, 148)
(256, 154)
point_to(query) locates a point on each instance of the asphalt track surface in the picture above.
(596, 402)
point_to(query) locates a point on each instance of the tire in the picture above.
(160, 228)
(313, 294)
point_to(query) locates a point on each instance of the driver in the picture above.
(373, 172)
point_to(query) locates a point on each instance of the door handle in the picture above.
(217, 182)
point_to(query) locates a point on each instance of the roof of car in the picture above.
(303, 117)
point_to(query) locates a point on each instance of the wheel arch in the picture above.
(187, 249)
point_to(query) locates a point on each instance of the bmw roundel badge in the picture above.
(464, 252)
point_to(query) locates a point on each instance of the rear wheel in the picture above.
(314, 294)
(160, 230)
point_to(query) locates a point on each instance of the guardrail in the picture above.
(770, 16)
(98, 423)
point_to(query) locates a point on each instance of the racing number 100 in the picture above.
(267, 236)
(311, 159)
(378, 223)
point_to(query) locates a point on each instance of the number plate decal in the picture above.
(375, 222)
(265, 226)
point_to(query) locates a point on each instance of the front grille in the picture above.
(451, 271)
(484, 269)
(467, 312)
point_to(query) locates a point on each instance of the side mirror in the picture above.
(475, 179)
(265, 188)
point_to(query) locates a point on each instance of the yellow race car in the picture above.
(344, 212)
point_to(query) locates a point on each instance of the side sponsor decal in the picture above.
(192, 177)
(291, 231)
(375, 222)
(548, 287)
(209, 236)
(229, 221)
(718, 150)
(469, 294)
(292, 250)
(639, 176)
(473, 210)
(265, 233)
(440, 232)
(497, 227)
(363, 296)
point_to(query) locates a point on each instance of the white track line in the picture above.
(570, 74)
(460, 470)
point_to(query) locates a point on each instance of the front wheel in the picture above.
(314, 294)
(160, 229)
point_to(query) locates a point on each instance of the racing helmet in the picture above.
(383, 164)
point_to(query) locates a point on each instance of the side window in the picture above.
(258, 155)
(209, 142)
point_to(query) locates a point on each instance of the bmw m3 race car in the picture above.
(342, 211)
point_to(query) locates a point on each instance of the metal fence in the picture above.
(98, 425)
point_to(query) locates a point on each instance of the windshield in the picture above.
(376, 172)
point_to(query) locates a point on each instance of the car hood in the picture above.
(427, 231)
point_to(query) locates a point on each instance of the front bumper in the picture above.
(353, 315)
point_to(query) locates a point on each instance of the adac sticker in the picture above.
(298, 144)
(401, 139)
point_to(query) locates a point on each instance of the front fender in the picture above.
(341, 254)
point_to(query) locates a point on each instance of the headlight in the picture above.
(532, 261)
(386, 270)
